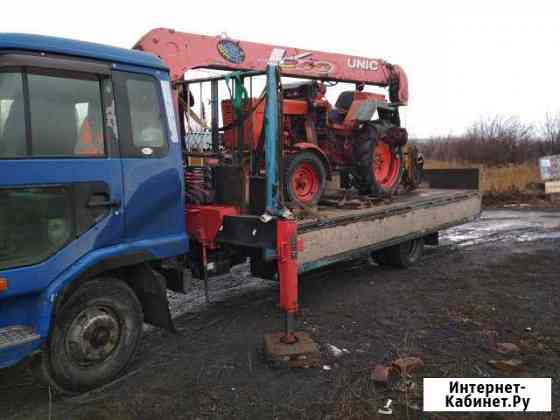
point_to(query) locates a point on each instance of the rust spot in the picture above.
(381, 373)
(407, 365)
(303, 353)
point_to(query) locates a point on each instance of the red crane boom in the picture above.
(184, 51)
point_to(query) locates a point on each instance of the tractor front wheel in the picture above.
(305, 178)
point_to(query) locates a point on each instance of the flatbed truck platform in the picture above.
(339, 233)
(96, 179)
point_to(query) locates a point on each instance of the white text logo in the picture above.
(362, 64)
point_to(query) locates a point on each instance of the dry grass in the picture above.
(496, 179)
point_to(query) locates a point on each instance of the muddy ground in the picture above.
(496, 279)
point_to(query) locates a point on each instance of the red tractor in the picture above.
(320, 139)
(359, 137)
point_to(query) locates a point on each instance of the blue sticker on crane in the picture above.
(231, 51)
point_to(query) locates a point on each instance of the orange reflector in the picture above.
(3, 284)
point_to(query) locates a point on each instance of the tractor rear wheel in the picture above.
(305, 178)
(380, 166)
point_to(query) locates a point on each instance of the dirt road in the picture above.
(492, 280)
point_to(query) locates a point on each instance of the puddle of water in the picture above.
(538, 236)
(505, 225)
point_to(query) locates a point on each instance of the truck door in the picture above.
(152, 162)
(60, 176)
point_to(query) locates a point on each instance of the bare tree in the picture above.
(550, 133)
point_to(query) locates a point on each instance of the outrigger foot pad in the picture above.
(302, 353)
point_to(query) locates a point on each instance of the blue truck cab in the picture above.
(91, 194)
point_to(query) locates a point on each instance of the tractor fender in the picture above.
(311, 147)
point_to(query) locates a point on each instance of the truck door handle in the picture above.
(114, 204)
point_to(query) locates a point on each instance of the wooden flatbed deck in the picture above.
(328, 215)
(333, 234)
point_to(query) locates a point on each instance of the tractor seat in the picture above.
(344, 101)
(341, 107)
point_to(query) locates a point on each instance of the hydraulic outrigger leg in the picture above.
(291, 348)
(286, 249)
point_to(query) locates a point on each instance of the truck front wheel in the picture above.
(94, 337)
(402, 255)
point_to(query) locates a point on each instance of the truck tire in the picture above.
(402, 255)
(379, 166)
(94, 337)
(305, 178)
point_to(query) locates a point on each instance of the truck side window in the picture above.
(141, 115)
(145, 113)
(12, 116)
(35, 222)
(66, 116)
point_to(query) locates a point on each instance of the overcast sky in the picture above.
(465, 60)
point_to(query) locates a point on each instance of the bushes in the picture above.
(497, 141)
